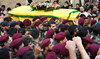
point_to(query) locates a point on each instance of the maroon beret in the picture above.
(64, 21)
(50, 33)
(27, 22)
(93, 21)
(81, 21)
(56, 48)
(63, 50)
(60, 36)
(87, 39)
(16, 43)
(53, 18)
(43, 18)
(36, 18)
(51, 55)
(4, 38)
(45, 43)
(93, 48)
(22, 51)
(37, 23)
(16, 36)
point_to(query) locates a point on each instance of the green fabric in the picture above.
(71, 13)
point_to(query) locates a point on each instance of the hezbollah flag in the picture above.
(25, 12)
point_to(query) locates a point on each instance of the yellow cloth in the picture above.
(25, 12)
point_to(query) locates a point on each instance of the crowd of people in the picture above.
(53, 39)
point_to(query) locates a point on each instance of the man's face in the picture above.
(77, 6)
(95, 8)
(2, 8)
(41, 27)
(45, 22)
(65, 5)
(53, 26)
(81, 9)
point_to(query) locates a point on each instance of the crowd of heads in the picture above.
(51, 38)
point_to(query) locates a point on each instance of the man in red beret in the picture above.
(39, 26)
(51, 34)
(36, 19)
(4, 41)
(47, 46)
(16, 36)
(61, 37)
(25, 52)
(16, 45)
(44, 22)
(27, 24)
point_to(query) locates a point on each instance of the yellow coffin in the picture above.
(24, 12)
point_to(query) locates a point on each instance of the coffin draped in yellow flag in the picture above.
(25, 12)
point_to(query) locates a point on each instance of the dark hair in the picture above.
(64, 27)
(72, 29)
(28, 55)
(82, 15)
(26, 41)
(9, 9)
(8, 19)
(12, 31)
(19, 4)
(51, 22)
(3, 6)
(21, 30)
(47, 2)
(34, 33)
(82, 32)
(4, 53)
(95, 29)
(77, 4)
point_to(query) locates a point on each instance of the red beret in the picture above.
(27, 22)
(16, 36)
(22, 51)
(45, 43)
(16, 43)
(60, 36)
(93, 21)
(36, 18)
(4, 38)
(51, 55)
(93, 48)
(81, 21)
(37, 23)
(53, 18)
(43, 18)
(64, 21)
(60, 48)
(87, 39)
(56, 48)
(63, 50)
(50, 33)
